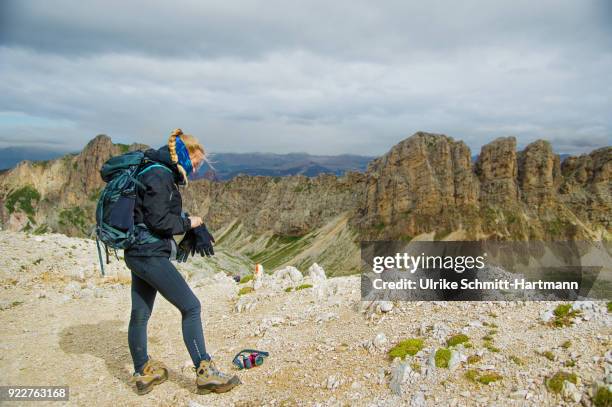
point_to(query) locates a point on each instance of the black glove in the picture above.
(204, 241)
(186, 247)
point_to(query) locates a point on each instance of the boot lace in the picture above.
(212, 367)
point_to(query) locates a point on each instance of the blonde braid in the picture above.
(173, 156)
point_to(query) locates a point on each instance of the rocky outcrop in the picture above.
(497, 171)
(538, 174)
(425, 184)
(586, 186)
(419, 185)
(68, 188)
(289, 206)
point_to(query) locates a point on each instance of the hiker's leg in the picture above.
(143, 297)
(171, 284)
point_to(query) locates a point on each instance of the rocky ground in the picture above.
(63, 324)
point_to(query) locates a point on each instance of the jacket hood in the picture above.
(162, 155)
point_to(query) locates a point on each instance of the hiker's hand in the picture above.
(195, 221)
(204, 241)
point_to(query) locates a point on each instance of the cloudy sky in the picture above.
(314, 76)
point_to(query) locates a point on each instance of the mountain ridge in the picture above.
(426, 186)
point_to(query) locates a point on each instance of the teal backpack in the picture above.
(115, 210)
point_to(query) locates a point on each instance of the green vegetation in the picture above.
(380, 226)
(557, 227)
(246, 279)
(42, 163)
(475, 376)
(602, 397)
(517, 361)
(472, 359)
(564, 316)
(25, 197)
(555, 383)
(123, 148)
(409, 347)
(41, 229)
(567, 344)
(610, 307)
(416, 366)
(442, 357)
(489, 378)
(245, 290)
(570, 363)
(94, 195)
(548, 355)
(441, 234)
(281, 249)
(288, 289)
(457, 340)
(73, 217)
(303, 286)
(489, 345)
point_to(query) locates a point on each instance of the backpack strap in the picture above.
(100, 255)
(154, 166)
(138, 174)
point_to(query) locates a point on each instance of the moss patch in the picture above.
(303, 286)
(517, 361)
(288, 289)
(602, 397)
(246, 279)
(406, 347)
(442, 357)
(492, 348)
(548, 355)
(555, 383)
(472, 359)
(489, 378)
(457, 340)
(476, 376)
(610, 306)
(566, 344)
(564, 316)
(245, 290)
(471, 375)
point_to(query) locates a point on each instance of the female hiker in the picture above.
(158, 212)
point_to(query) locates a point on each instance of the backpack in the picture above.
(115, 209)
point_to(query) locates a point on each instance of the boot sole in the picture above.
(217, 388)
(145, 390)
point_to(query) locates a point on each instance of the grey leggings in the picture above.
(150, 275)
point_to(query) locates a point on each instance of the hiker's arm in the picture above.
(156, 209)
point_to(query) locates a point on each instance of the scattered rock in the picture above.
(332, 382)
(400, 372)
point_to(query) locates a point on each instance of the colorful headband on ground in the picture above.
(248, 358)
(183, 156)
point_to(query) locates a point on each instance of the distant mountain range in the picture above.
(10, 156)
(228, 165)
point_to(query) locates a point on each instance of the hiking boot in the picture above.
(153, 372)
(210, 379)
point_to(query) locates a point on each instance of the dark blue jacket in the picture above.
(159, 206)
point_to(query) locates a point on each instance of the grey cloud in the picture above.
(310, 76)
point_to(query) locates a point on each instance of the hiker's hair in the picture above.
(192, 144)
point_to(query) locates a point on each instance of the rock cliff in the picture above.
(425, 187)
